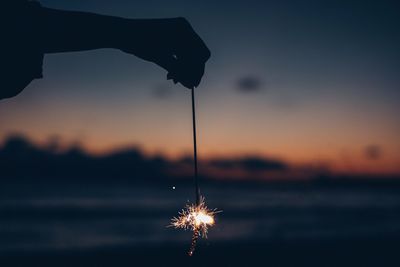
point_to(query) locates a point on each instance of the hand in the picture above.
(173, 45)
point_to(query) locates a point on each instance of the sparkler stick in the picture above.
(196, 183)
(196, 180)
(196, 217)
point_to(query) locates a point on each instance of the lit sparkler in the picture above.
(197, 218)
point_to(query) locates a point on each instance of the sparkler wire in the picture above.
(196, 182)
(196, 217)
(196, 179)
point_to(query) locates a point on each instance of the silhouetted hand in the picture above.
(170, 43)
(173, 45)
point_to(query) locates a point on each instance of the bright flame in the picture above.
(196, 218)
(203, 218)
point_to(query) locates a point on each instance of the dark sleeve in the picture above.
(20, 46)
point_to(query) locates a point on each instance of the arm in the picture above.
(170, 43)
(69, 31)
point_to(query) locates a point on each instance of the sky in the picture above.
(308, 82)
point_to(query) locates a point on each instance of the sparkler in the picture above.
(195, 217)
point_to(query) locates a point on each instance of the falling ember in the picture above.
(197, 218)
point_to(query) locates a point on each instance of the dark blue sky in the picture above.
(326, 74)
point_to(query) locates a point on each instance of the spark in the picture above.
(197, 218)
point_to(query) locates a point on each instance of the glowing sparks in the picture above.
(203, 218)
(197, 218)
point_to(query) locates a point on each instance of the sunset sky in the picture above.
(301, 81)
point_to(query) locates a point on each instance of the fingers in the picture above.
(187, 73)
(193, 54)
(185, 58)
(167, 62)
(172, 77)
(175, 70)
(192, 46)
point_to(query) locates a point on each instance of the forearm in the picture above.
(67, 31)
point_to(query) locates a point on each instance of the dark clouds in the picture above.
(162, 91)
(373, 152)
(20, 159)
(250, 164)
(249, 84)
